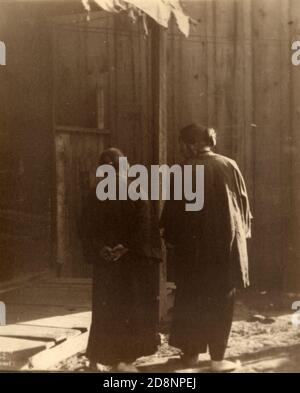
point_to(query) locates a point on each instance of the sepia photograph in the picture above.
(150, 189)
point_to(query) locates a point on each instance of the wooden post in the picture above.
(63, 262)
(159, 122)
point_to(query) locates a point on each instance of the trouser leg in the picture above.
(221, 316)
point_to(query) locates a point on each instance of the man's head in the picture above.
(196, 139)
(111, 157)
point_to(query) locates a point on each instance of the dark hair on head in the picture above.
(198, 134)
(111, 156)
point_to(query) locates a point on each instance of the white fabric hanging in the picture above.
(159, 10)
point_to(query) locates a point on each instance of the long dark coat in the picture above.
(125, 293)
(210, 251)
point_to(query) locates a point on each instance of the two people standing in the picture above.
(122, 241)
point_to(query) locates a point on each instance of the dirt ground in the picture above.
(263, 338)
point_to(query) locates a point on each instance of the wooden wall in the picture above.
(27, 165)
(26, 142)
(115, 50)
(235, 73)
(292, 149)
(106, 55)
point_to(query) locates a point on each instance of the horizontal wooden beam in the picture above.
(47, 359)
(81, 130)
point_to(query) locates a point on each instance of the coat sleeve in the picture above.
(243, 202)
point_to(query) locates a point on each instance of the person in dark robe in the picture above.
(122, 241)
(209, 249)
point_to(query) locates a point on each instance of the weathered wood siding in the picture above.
(114, 49)
(107, 55)
(25, 142)
(235, 73)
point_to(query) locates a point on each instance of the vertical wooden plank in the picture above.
(137, 106)
(285, 142)
(225, 36)
(243, 108)
(112, 79)
(211, 60)
(177, 100)
(150, 136)
(100, 102)
(171, 92)
(239, 110)
(159, 86)
(61, 212)
(53, 200)
(159, 90)
(248, 120)
(143, 98)
(267, 75)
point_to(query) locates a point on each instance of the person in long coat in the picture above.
(209, 249)
(121, 240)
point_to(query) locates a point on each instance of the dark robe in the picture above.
(125, 293)
(210, 251)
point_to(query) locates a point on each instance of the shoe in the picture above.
(224, 366)
(97, 367)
